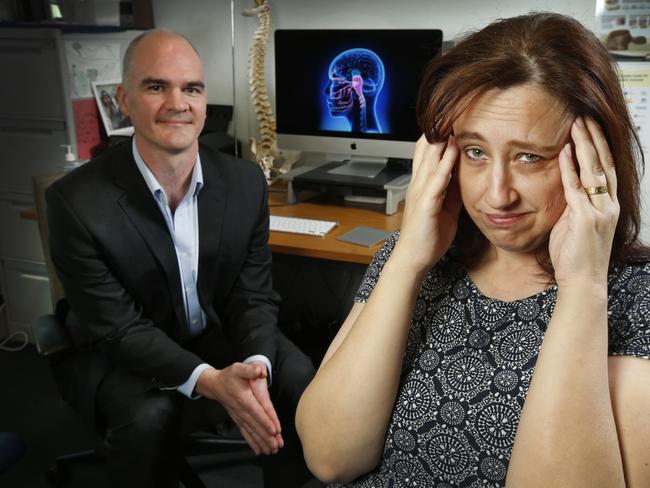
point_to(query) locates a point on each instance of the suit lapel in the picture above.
(212, 207)
(139, 205)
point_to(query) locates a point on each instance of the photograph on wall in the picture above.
(115, 123)
(624, 27)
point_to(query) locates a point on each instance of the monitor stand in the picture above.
(365, 181)
(364, 169)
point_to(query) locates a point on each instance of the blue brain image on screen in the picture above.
(356, 77)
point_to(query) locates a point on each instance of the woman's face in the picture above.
(508, 172)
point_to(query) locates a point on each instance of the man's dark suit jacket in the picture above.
(116, 260)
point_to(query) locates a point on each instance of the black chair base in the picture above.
(59, 473)
(193, 445)
(188, 477)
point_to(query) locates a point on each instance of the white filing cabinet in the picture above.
(21, 239)
(36, 118)
(27, 293)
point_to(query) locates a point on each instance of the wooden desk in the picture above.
(323, 208)
(328, 247)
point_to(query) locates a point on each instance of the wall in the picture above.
(207, 23)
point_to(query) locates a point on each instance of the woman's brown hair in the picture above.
(559, 55)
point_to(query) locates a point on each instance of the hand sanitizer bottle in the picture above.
(71, 161)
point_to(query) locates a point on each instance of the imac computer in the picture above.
(351, 94)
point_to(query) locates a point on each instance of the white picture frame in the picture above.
(115, 123)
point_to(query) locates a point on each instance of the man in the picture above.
(162, 251)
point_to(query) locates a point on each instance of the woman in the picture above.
(523, 210)
(116, 117)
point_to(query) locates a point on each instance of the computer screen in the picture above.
(350, 92)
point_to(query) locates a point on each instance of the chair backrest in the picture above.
(41, 182)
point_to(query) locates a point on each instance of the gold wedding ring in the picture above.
(596, 190)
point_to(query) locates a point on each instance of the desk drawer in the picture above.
(20, 238)
(27, 294)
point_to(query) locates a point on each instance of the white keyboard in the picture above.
(295, 225)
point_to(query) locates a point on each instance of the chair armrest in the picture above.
(50, 335)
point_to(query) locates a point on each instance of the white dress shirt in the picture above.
(183, 225)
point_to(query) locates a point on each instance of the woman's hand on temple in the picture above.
(581, 240)
(432, 204)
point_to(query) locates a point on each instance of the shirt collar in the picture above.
(196, 183)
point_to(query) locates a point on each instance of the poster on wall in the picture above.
(89, 61)
(624, 27)
(635, 80)
(86, 126)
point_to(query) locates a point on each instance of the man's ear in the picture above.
(121, 99)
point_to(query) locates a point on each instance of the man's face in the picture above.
(165, 95)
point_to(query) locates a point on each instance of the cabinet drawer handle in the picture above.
(30, 276)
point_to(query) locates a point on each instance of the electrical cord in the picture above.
(25, 338)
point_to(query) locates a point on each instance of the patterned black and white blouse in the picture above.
(467, 368)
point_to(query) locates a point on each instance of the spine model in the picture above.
(265, 150)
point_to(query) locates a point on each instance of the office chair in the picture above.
(53, 342)
(12, 448)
